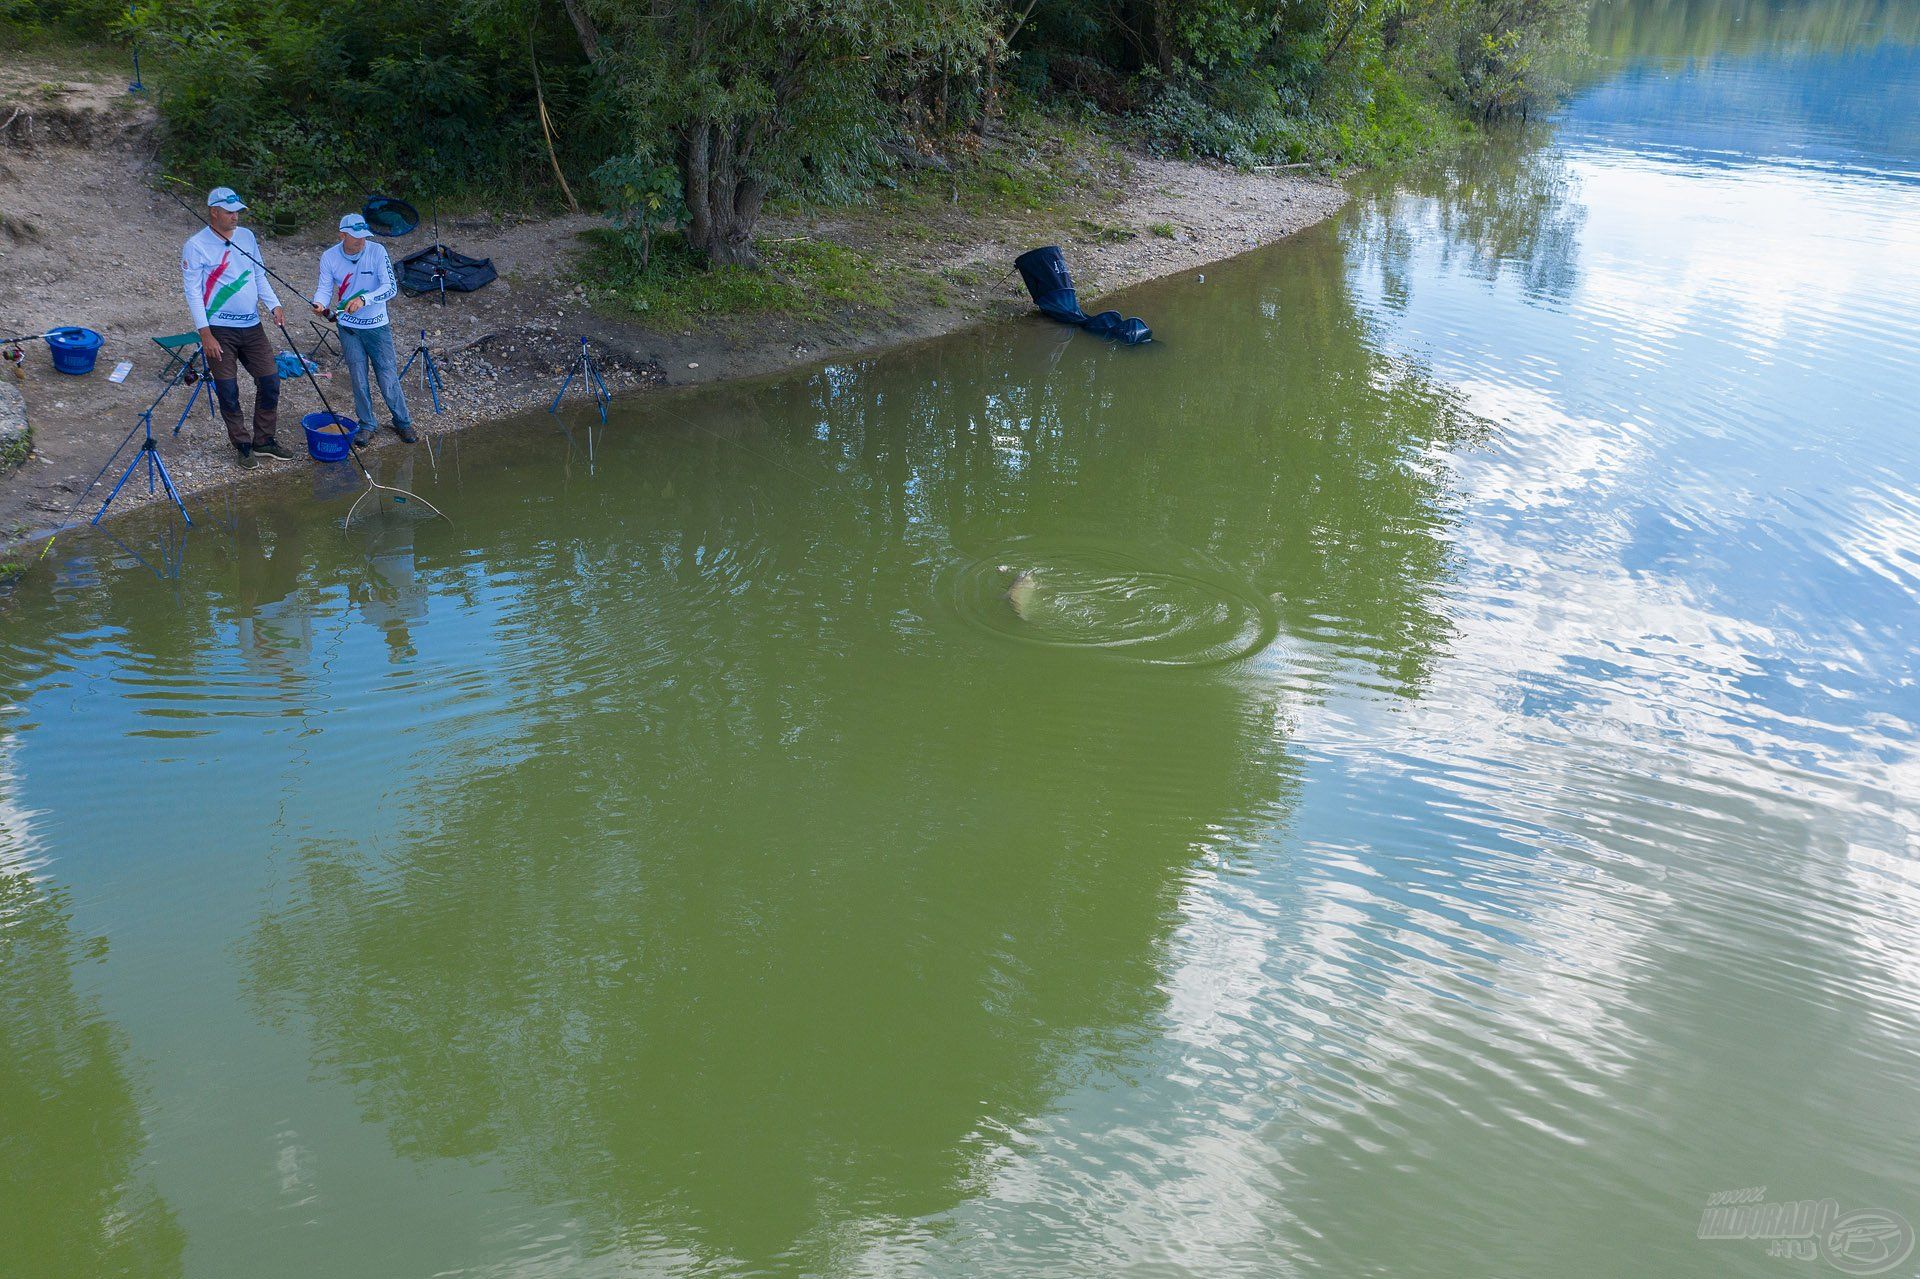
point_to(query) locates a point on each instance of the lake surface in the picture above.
(1448, 804)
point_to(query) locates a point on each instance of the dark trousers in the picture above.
(247, 348)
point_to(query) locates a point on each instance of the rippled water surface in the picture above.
(1414, 774)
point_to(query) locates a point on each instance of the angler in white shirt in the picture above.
(356, 283)
(226, 287)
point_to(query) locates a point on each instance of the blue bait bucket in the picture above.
(74, 349)
(329, 436)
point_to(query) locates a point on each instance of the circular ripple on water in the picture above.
(1168, 608)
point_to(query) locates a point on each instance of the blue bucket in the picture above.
(329, 436)
(74, 349)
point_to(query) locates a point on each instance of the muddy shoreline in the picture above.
(89, 241)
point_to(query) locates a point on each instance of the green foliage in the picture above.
(639, 192)
(1005, 181)
(1509, 56)
(1046, 165)
(1289, 81)
(778, 97)
(61, 17)
(1181, 120)
(699, 111)
(294, 100)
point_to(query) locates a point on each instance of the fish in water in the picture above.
(1021, 590)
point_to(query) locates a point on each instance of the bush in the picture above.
(639, 192)
(1511, 59)
(66, 17)
(302, 99)
(1261, 82)
(1180, 121)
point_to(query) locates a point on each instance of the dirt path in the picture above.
(86, 239)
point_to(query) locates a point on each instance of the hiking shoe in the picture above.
(405, 433)
(273, 448)
(364, 436)
(246, 458)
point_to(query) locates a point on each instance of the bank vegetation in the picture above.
(683, 119)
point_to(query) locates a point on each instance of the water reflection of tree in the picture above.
(1699, 28)
(784, 896)
(1508, 206)
(775, 892)
(737, 951)
(72, 1199)
(1268, 434)
(245, 577)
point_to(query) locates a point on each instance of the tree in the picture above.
(1511, 55)
(760, 96)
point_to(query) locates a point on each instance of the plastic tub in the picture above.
(74, 349)
(329, 436)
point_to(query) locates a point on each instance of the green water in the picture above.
(1448, 805)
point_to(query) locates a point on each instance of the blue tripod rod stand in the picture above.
(590, 381)
(429, 371)
(157, 473)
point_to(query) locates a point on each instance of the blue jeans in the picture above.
(375, 346)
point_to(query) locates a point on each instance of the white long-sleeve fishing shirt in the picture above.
(224, 283)
(367, 275)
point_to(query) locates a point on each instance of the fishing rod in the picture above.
(353, 447)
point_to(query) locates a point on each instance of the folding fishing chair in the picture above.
(324, 341)
(177, 351)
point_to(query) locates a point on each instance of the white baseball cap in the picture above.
(356, 226)
(224, 198)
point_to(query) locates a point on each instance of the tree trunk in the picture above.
(694, 164)
(723, 202)
(583, 27)
(1162, 34)
(1000, 49)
